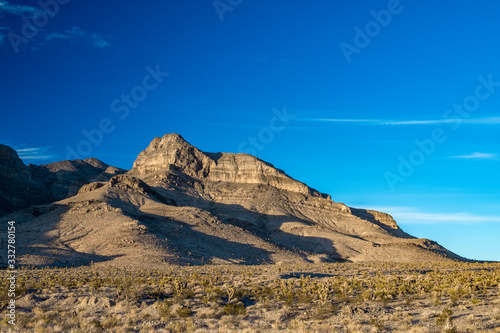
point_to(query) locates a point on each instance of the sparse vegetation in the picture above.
(183, 312)
(235, 309)
(327, 296)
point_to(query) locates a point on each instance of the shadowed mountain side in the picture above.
(127, 222)
(362, 241)
(39, 242)
(22, 186)
(96, 228)
(381, 219)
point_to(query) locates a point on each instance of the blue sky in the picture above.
(391, 105)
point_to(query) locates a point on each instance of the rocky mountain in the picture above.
(179, 205)
(22, 186)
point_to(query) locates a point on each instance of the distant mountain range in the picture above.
(179, 205)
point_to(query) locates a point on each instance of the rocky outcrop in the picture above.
(376, 217)
(22, 186)
(63, 179)
(173, 153)
(10, 163)
(17, 188)
(91, 187)
(127, 183)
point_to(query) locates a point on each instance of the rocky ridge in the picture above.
(180, 205)
(172, 152)
(22, 186)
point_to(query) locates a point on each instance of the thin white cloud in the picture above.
(339, 120)
(98, 41)
(57, 35)
(419, 122)
(33, 153)
(76, 33)
(478, 155)
(479, 121)
(19, 10)
(410, 215)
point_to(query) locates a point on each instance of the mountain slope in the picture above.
(22, 186)
(179, 205)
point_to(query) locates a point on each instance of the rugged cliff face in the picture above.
(172, 152)
(179, 205)
(17, 188)
(10, 162)
(22, 186)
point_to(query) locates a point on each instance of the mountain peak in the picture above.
(167, 139)
(174, 137)
(171, 153)
(9, 157)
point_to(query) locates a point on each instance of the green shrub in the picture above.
(184, 312)
(235, 309)
(444, 317)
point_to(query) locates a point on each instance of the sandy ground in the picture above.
(326, 297)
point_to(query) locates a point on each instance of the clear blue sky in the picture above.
(359, 80)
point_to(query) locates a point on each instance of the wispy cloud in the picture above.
(76, 33)
(19, 10)
(479, 121)
(339, 120)
(478, 155)
(41, 37)
(410, 215)
(33, 153)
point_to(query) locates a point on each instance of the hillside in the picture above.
(179, 205)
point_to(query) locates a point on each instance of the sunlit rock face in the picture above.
(172, 152)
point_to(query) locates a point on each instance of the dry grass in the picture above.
(329, 297)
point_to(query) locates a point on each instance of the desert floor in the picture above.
(325, 297)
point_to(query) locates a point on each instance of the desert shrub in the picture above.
(181, 289)
(326, 310)
(164, 308)
(444, 317)
(377, 323)
(262, 292)
(110, 322)
(96, 324)
(235, 309)
(184, 312)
